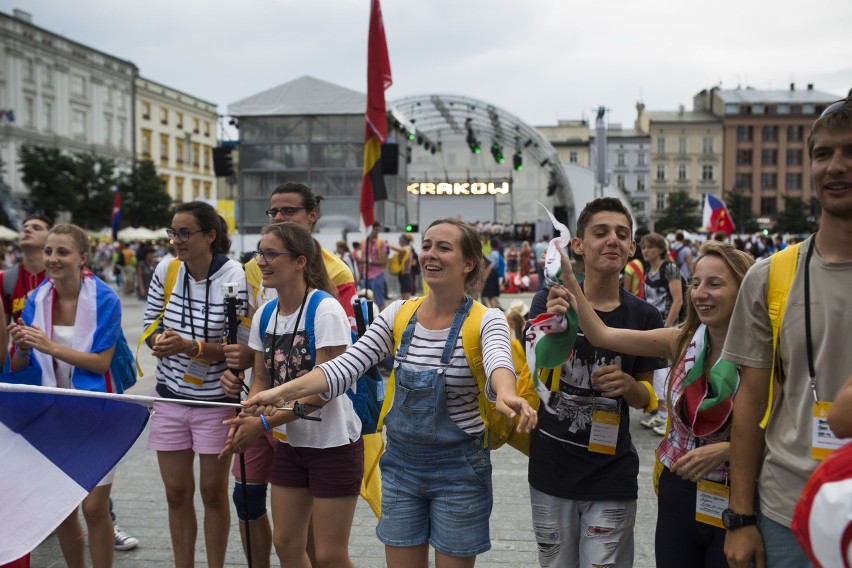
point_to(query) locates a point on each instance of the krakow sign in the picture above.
(456, 188)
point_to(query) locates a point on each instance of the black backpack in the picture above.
(415, 262)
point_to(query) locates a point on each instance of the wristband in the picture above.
(201, 346)
(652, 402)
(265, 423)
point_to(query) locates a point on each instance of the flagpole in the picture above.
(145, 400)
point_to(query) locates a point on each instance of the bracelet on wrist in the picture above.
(201, 347)
(264, 422)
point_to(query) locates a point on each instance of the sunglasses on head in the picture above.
(833, 107)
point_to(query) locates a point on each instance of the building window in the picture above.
(744, 133)
(794, 181)
(707, 172)
(164, 179)
(206, 129)
(620, 159)
(794, 157)
(640, 159)
(572, 157)
(770, 109)
(146, 110)
(681, 172)
(743, 157)
(122, 131)
(661, 201)
(769, 134)
(742, 181)
(208, 190)
(768, 181)
(768, 205)
(661, 145)
(196, 189)
(769, 157)
(78, 86)
(707, 146)
(195, 156)
(681, 145)
(795, 133)
(795, 109)
(47, 116)
(146, 144)
(661, 172)
(179, 188)
(107, 129)
(195, 126)
(745, 109)
(640, 183)
(48, 77)
(164, 115)
(29, 70)
(206, 152)
(78, 123)
(29, 112)
(180, 152)
(179, 119)
(619, 180)
(164, 149)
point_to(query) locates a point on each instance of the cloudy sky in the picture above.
(541, 60)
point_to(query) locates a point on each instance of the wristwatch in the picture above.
(733, 520)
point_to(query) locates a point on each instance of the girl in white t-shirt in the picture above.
(316, 476)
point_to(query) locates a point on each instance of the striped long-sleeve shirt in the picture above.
(196, 310)
(425, 353)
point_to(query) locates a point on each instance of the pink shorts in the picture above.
(259, 459)
(175, 427)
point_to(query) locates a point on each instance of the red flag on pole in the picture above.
(378, 80)
(116, 214)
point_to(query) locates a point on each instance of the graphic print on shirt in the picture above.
(300, 356)
(569, 416)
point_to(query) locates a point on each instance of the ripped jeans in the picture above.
(571, 534)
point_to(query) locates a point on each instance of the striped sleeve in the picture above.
(496, 347)
(376, 344)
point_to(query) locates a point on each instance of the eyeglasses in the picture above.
(286, 211)
(270, 255)
(182, 235)
(833, 107)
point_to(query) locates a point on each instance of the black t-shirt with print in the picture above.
(560, 463)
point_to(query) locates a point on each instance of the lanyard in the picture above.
(276, 371)
(205, 310)
(808, 337)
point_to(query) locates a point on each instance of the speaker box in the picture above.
(390, 159)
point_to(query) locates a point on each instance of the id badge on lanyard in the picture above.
(604, 435)
(823, 441)
(711, 499)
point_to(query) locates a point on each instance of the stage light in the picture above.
(518, 161)
(497, 152)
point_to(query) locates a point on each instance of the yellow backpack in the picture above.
(500, 429)
(397, 262)
(171, 279)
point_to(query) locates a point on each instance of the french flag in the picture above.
(55, 446)
(716, 216)
(116, 214)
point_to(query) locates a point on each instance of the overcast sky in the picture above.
(541, 60)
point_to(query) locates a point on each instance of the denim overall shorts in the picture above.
(436, 478)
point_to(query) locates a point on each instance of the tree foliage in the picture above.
(94, 180)
(739, 206)
(681, 212)
(48, 173)
(144, 199)
(795, 218)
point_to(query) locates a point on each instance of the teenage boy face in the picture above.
(607, 243)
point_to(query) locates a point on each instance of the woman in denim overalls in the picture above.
(436, 474)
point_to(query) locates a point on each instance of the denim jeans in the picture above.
(782, 549)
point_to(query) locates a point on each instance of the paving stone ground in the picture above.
(140, 500)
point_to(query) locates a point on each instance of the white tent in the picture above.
(136, 234)
(7, 234)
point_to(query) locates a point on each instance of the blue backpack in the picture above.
(123, 364)
(368, 393)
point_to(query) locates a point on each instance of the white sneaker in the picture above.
(661, 429)
(124, 541)
(652, 421)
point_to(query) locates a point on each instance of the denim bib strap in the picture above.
(452, 337)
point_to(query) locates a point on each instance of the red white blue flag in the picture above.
(716, 216)
(55, 446)
(116, 214)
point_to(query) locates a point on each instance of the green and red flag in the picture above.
(378, 80)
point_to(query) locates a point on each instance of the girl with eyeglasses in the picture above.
(316, 473)
(191, 360)
(68, 330)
